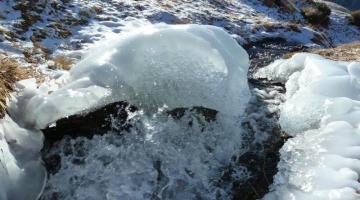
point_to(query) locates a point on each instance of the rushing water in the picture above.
(159, 158)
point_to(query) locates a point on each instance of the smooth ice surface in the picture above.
(322, 111)
(151, 67)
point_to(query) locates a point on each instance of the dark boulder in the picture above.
(90, 123)
(102, 120)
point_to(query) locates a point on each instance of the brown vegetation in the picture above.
(62, 62)
(355, 18)
(347, 52)
(10, 72)
(30, 13)
(283, 4)
(317, 14)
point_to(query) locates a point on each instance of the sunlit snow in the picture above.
(322, 111)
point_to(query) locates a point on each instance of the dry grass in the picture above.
(269, 3)
(317, 14)
(355, 18)
(61, 30)
(283, 4)
(63, 62)
(97, 9)
(270, 27)
(347, 52)
(294, 27)
(10, 72)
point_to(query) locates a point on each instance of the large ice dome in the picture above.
(154, 66)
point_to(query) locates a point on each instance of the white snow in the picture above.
(322, 111)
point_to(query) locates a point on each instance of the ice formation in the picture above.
(21, 172)
(22, 175)
(154, 67)
(151, 67)
(322, 111)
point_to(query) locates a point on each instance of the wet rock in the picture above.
(102, 120)
(90, 123)
(265, 51)
(208, 114)
(262, 168)
(53, 163)
(86, 124)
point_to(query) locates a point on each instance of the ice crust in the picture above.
(322, 112)
(154, 67)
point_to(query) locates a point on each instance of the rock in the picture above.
(166, 17)
(102, 120)
(52, 163)
(208, 114)
(89, 123)
(85, 124)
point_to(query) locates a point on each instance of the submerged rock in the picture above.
(208, 114)
(89, 123)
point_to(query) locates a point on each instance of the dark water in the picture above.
(349, 4)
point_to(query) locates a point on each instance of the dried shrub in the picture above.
(355, 18)
(294, 27)
(97, 10)
(10, 72)
(347, 52)
(62, 62)
(269, 3)
(317, 14)
(270, 27)
(30, 13)
(60, 29)
(284, 5)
